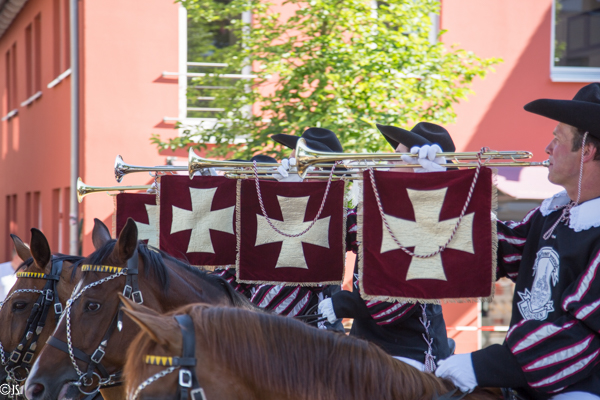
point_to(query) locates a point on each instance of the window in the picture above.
(33, 60)
(57, 218)
(33, 212)
(11, 81)
(11, 223)
(62, 56)
(196, 57)
(60, 41)
(576, 41)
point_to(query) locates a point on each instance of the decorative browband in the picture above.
(159, 360)
(37, 275)
(101, 268)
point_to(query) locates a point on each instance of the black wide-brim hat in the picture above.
(423, 133)
(316, 138)
(582, 112)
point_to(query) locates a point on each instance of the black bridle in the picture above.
(188, 385)
(93, 361)
(22, 356)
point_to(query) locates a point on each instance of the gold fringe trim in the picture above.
(344, 232)
(114, 218)
(157, 225)
(238, 229)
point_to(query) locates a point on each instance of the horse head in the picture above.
(87, 349)
(33, 305)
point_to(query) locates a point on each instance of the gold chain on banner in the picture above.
(462, 213)
(264, 212)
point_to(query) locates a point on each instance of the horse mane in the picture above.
(295, 360)
(154, 262)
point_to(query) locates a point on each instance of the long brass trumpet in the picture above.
(307, 157)
(122, 168)
(83, 189)
(195, 163)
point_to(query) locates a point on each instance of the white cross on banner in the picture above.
(298, 256)
(197, 219)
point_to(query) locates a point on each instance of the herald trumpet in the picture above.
(196, 163)
(83, 189)
(122, 168)
(307, 157)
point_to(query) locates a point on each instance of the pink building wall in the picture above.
(127, 46)
(124, 48)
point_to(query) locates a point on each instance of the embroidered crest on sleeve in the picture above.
(537, 303)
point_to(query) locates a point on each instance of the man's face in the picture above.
(401, 149)
(564, 163)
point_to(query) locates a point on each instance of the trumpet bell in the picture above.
(83, 189)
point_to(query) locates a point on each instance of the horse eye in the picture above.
(19, 305)
(91, 306)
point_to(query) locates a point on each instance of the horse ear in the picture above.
(100, 234)
(40, 249)
(128, 241)
(164, 330)
(131, 305)
(22, 249)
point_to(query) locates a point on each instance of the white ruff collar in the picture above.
(583, 217)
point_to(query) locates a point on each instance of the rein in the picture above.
(131, 291)
(189, 387)
(48, 298)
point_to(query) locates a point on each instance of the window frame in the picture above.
(568, 74)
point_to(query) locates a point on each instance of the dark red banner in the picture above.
(422, 210)
(197, 219)
(141, 207)
(315, 257)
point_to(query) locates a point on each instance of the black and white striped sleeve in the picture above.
(511, 241)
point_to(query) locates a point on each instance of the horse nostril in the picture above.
(34, 391)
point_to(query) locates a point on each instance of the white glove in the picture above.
(283, 171)
(426, 156)
(459, 369)
(326, 308)
(206, 172)
(284, 168)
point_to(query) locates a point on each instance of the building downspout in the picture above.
(74, 245)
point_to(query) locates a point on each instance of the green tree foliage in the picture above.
(342, 65)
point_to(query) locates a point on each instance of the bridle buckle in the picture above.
(197, 394)
(185, 378)
(58, 309)
(127, 291)
(137, 297)
(97, 356)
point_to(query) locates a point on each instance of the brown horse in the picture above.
(88, 345)
(242, 354)
(33, 305)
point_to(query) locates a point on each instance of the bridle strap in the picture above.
(37, 318)
(189, 387)
(132, 289)
(80, 355)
